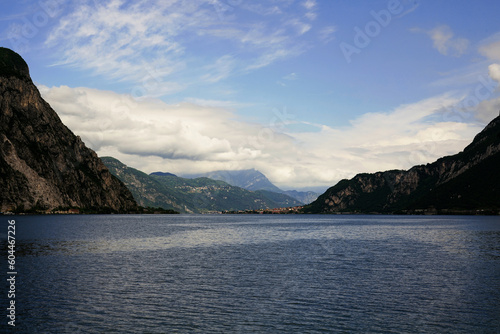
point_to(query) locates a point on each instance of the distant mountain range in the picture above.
(464, 183)
(254, 180)
(198, 195)
(43, 165)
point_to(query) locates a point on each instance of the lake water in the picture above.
(255, 274)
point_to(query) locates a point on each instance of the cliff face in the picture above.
(42, 163)
(467, 182)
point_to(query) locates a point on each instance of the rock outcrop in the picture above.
(467, 182)
(43, 165)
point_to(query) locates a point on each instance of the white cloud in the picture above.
(292, 76)
(381, 141)
(268, 58)
(106, 120)
(445, 42)
(488, 109)
(494, 72)
(300, 27)
(462, 77)
(151, 135)
(117, 42)
(261, 9)
(492, 51)
(289, 77)
(490, 47)
(214, 103)
(310, 5)
(476, 81)
(326, 34)
(127, 41)
(221, 69)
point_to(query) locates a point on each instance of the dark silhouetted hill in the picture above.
(464, 183)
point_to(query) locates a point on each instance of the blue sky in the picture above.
(307, 91)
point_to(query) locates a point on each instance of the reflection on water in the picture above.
(252, 274)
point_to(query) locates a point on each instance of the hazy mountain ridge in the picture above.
(197, 195)
(249, 179)
(253, 180)
(42, 163)
(305, 197)
(467, 182)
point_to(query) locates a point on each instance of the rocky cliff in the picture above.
(467, 182)
(43, 165)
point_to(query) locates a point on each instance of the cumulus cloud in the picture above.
(445, 42)
(494, 72)
(151, 135)
(148, 127)
(397, 139)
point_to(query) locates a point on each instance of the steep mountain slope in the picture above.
(42, 163)
(467, 182)
(146, 190)
(253, 180)
(192, 195)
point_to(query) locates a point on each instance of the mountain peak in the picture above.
(12, 64)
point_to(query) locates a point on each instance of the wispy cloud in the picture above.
(221, 69)
(326, 34)
(445, 42)
(289, 77)
(310, 5)
(123, 40)
(300, 27)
